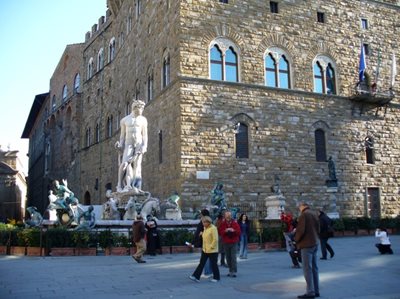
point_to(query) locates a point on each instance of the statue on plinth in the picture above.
(275, 203)
(218, 200)
(36, 218)
(110, 208)
(65, 203)
(86, 220)
(170, 208)
(332, 181)
(131, 146)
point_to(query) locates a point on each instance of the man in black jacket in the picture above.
(325, 232)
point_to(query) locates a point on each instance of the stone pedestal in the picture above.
(332, 213)
(275, 205)
(173, 214)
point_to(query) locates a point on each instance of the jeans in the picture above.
(207, 268)
(310, 269)
(212, 257)
(230, 255)
(243, 246)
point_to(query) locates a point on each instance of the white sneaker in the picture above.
(191, 277)
(213, 280)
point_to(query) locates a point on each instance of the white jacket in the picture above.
(382, 235)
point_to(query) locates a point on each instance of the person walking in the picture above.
(221, 251)
(230, 232)
(153, 238)
(198, 240)
(384, 245)
(326, 232)
(306, 238)
(244, 224)
(209, 250)
(139, 232)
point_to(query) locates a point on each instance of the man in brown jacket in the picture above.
(306, 238)
(139, 232)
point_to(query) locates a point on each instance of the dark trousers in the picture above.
(295, 256)
(384, 248)
(325, 246)
(203, 259)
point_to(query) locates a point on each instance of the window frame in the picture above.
(324, 62)
(242, 141)
(276, 55)
(273, 7)
(320, 145)
(223, 45)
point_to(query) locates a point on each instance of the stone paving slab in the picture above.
(357, 271)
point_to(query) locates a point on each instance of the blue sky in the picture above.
(34, 34)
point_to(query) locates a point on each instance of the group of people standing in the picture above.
(221, 237)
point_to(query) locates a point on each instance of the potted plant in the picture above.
(17, 242)
(33, 240)
(4, 238)
(338, 227)
(120, 244)
(84, 243)
(59, 242)
(272, 238)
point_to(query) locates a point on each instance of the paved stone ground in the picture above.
(357, 271)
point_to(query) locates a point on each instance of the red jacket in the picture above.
(229, 231)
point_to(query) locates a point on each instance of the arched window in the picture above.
(127, 108)
(100, 59)
(87, 137)
(65, 93)
(231, 65)
(217, 70)
(77, 83)
(97, 134)
(324, 75)
(369, 150)
(318, 78)
(277, 68)
(270, 71)
(242, 141)
(90, 68)
(138, 8)
(330, 80)
(129, 21)
(150, 86)
(47, 157)
(87, 198)
(110, 120)
(320, 145)
(111, 50)
(53, 103)
(224, 60)
(284, 78)
(137, 90)
(160, 146)
(166, 71)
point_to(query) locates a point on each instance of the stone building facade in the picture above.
(13, 188)
(219, 111)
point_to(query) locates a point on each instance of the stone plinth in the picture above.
(275, 205)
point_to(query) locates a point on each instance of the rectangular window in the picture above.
(373, 203)
(366, 49)
(223, 1)
(273, 6)
(364, 24)
(320, 17)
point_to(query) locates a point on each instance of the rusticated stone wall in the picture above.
(194, 115)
